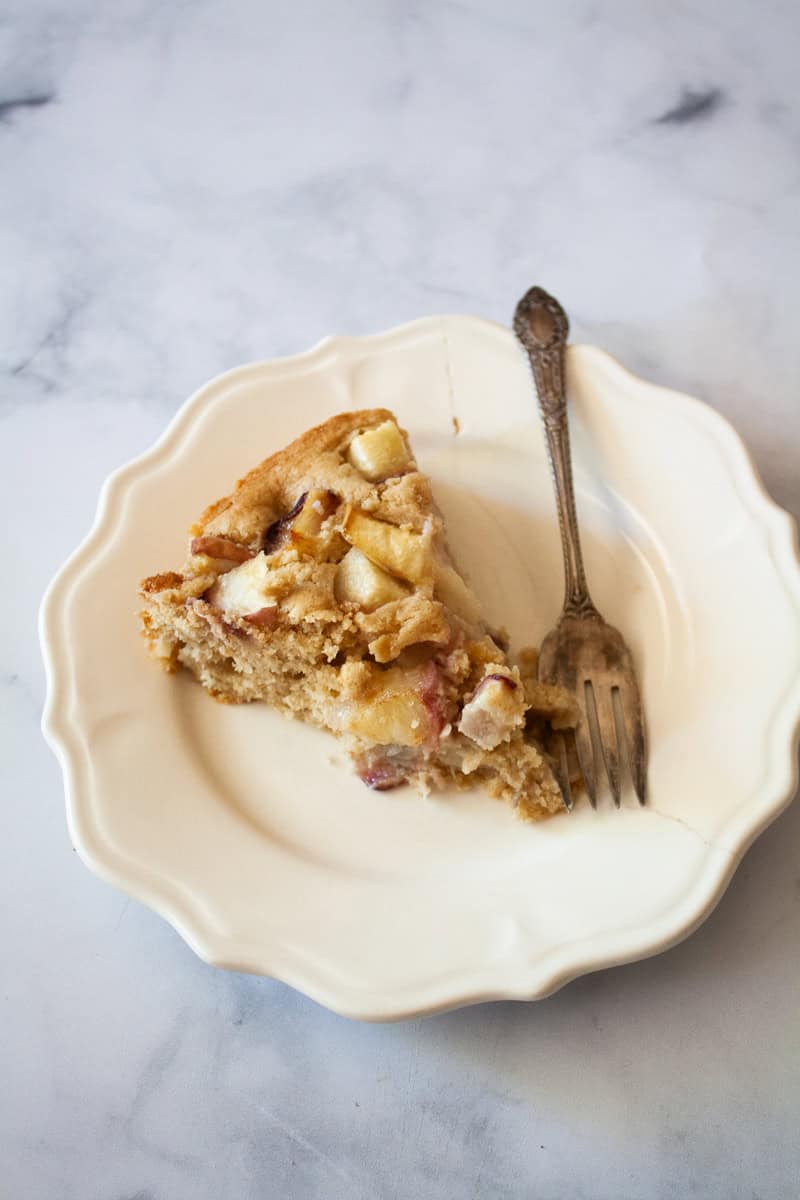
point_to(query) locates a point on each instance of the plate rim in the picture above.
(543, 975)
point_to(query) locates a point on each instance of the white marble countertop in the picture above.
(189, 186)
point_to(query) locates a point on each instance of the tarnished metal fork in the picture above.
(583, 653)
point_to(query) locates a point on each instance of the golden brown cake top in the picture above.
(317, 459)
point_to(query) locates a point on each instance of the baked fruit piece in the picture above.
(324, 585)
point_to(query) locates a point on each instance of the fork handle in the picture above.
(541, 326)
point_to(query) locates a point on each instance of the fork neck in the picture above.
(577, 601)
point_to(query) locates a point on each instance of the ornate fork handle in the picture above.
(541, 325)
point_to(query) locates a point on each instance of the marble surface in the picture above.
(186, 186)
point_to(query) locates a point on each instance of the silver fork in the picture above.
(583, 653)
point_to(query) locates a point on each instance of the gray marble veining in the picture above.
(187, 186)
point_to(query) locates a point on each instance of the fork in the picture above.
(583, 653)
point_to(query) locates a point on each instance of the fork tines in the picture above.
(602, 743)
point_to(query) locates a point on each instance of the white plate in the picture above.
(246, 830)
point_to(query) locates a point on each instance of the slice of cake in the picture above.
(324, 585)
